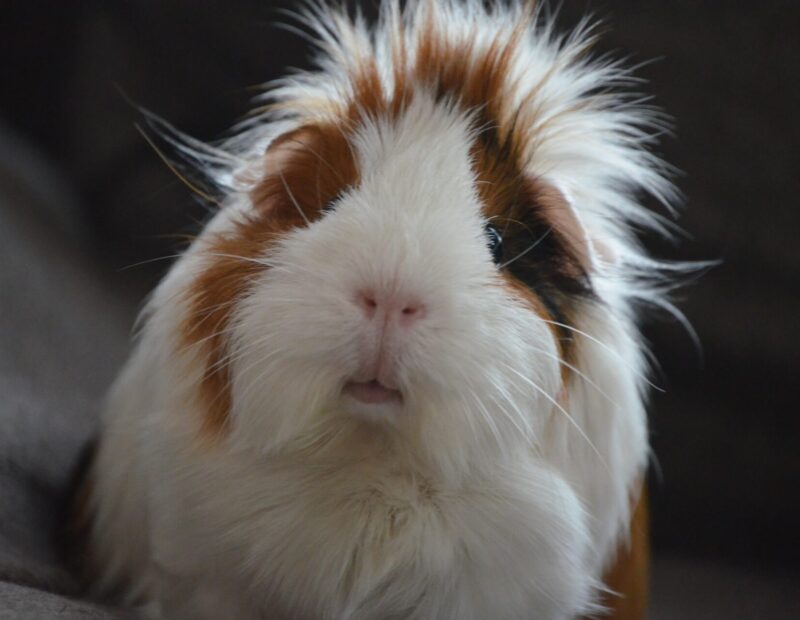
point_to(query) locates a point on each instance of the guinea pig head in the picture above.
(400, 276)
(403, 279)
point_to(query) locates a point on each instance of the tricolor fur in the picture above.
(234, 480)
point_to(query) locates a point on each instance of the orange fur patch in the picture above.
(629, 577)
(299, 181)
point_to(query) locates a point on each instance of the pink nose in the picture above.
(405, 310)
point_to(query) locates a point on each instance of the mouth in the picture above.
(371, 392)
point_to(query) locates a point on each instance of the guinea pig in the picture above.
(398, 374)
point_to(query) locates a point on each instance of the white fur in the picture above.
(493, 492)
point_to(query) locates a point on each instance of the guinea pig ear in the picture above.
(307, 167)
(559, 210)
(288, 148)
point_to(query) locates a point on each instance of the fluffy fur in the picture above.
(233, 479)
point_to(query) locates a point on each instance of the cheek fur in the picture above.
(211, 300)
(297, 184)
(564, 346)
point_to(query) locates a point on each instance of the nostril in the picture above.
(412, 312)
(407, 311)
(367, 302)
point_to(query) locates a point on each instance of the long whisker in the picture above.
(204, 195)
(285, 267)
(257, 380)
(466, 404)
(562, 410)
(507, 397)
(574, 369)
(235, 356)
(486, 416)
(241, 352)
(247, 259)
(327, 164)
(270, 355)
(148, 261)
(292, 198)
(607, 348)
(523, 432)
(219, 332)
(509, 219)
(524, 252)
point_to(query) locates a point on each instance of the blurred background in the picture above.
(86, 206)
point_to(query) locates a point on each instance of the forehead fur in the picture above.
(429, 51)
(540, 103)
(425, 155)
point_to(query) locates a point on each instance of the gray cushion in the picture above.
(63, 332)
(21, 602)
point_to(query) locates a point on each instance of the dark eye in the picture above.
(495, 243)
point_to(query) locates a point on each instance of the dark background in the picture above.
(725, 432)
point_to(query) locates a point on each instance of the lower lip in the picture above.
(371, 393)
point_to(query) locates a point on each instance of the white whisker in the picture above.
(575, 369)
(149, 261)
(291, 197)
(246, 259)
(487, 416)
(524, 252)
(523, 432)
(252, 384)
(562, 410)
(607, 348)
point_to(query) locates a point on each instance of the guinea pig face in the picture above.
(390, 292)
(390, 300)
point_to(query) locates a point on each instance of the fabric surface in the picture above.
(63, 332)
(24, 603)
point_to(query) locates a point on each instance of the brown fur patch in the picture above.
(629, 576)
(306, 170)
